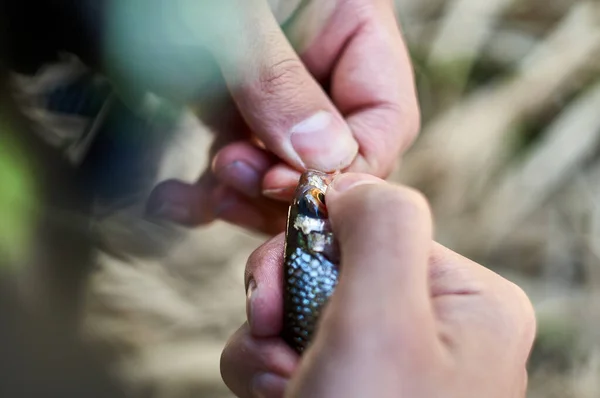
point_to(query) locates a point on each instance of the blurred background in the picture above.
(508, 156)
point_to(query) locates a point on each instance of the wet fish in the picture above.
(311, 260)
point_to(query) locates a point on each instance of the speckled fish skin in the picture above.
(311, 262)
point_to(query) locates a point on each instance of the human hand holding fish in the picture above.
(407, 317)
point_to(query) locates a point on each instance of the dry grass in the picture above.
(508, 156)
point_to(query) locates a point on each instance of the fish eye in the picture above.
(321, 198)
(312, 204)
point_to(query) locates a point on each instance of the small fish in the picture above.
(311, 260)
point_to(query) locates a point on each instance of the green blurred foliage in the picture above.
(17, 201)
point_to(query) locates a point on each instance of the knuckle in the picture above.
(403, 120)
(513, 316)
(228, 362)
(392, 129)
(270, 357)
(524, 314)
(281, 76)
(386, 169)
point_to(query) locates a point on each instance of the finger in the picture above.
(229, 190)
(361, 55)
(280, 183)
(452, 274)
(256, 367)
(260, 215)
(279, 99)
(242, 166)
(373, 86)
(264, 283)
(182, 203)
(199, 204)
(385, 238)
(254, 172)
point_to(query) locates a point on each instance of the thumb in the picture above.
(379, 323)
(385, 236)
(281, 102)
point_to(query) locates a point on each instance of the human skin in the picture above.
(323, 84)
(409, 318)
(333, 91)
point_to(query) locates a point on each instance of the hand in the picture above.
(347, 101)
(409, 318)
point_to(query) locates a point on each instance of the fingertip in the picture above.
(380, 197)
(242, 166)
(266, 260)
(201, 203)
(279, 183)
(245, 151)
(245, 359)
(179, 202)
(265, 311)
(264, 287)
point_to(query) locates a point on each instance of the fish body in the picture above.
(311, 260)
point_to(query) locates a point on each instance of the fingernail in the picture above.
(254, 314)
(242, 177)
(281, 194)
(268, 385)
(345, 182)
(324, 142)
(250, 297)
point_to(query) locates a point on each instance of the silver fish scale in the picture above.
(310, 280)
